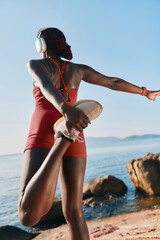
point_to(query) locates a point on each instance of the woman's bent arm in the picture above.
(41, 76)
(73, 116)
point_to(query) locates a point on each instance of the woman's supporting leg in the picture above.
(72, 178)
(39, 180)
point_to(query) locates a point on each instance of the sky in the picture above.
(117, 38)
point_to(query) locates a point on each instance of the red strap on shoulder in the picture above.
(62, 90)
(62, 69)
(60, 72)
(56, 64)
(63, 66)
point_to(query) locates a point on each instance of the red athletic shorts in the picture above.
(41, 134)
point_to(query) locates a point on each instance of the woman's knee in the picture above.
(73, 213)
(28, 218)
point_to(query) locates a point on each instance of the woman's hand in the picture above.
(151, 95)
(75, 118)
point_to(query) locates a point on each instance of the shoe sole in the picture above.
(96, 113)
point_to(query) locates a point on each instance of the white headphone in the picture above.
(40, 43)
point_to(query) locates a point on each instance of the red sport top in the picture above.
(41, 133)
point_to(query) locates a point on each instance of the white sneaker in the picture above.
(90, 107)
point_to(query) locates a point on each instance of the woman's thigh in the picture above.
(33, 159)
(72, 178)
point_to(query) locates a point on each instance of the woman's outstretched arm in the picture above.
(114, 83)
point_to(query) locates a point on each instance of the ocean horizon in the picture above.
(102, 141)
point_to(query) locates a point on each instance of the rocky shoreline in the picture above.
(145, 175)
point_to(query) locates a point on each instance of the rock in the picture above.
(101, 186)
(145, 173)
(8, 232)
(93, 201)
(55, 213)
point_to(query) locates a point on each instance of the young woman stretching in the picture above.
(55, 88)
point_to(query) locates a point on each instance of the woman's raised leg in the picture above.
(39, 180)
(72, 178)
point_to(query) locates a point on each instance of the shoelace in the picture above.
(78, 138)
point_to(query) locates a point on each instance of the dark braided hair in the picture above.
(56, 42)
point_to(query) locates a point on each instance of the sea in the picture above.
(103, 159)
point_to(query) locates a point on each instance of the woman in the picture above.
(56, 83)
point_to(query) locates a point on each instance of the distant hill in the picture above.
(103, 141)
(141, 137)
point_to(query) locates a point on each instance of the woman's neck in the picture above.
(52, 55)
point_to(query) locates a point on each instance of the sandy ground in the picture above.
(136, 226)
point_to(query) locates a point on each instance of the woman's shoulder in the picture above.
(76, 66)
(34, 62)
(37, 64)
